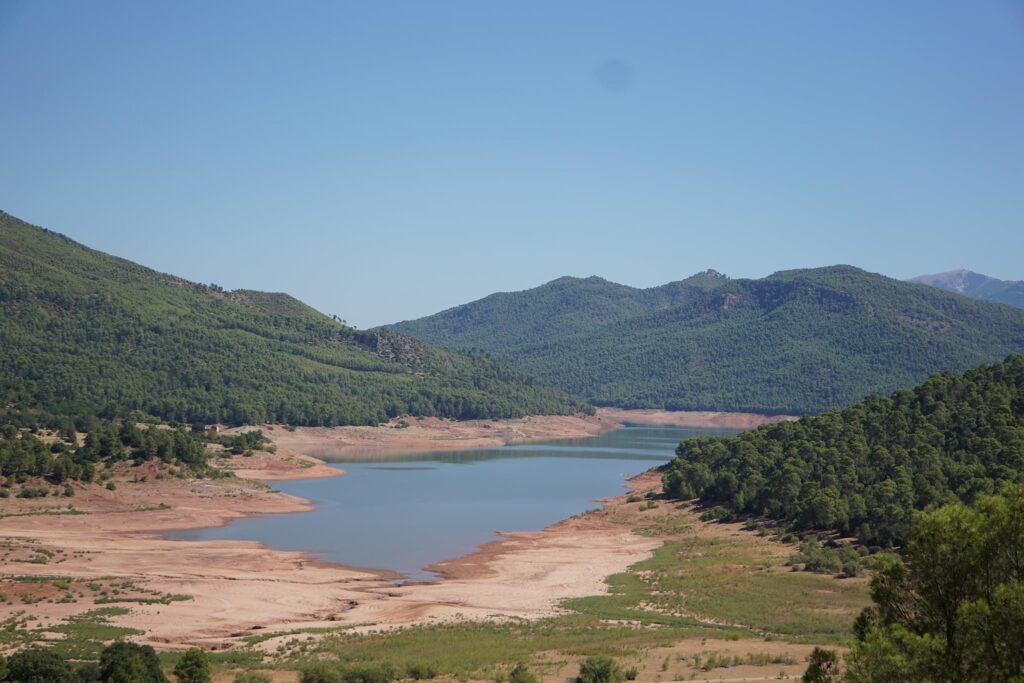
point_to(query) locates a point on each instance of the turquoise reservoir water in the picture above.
(407, 512)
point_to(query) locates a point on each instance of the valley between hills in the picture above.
(791, 444)
(102, 565)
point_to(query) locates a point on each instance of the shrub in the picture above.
(718, 514)
(521, 674)
(111, 486)
(131, 662)
(252, 677)
(823, 667)
(850, 569)
(193, 667)
(320, 673)
(89, 673)
(383, 672)
(420, 672)
(599, 669)
(37, 665)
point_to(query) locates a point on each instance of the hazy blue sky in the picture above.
(385, 160)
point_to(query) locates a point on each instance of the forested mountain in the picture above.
(977, 286)
(504, 322)
(83, 332)
(864, 470)
(799, 341)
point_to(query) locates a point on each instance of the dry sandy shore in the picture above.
(238, 588)
(691, 418)
(408, 435)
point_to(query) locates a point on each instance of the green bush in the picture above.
(37, 665)
(383, 672)
(823, 667)
(420, 671)
(521, 674)
(252, 677)
(193, 667)
(132, 663)
(320, 673)
(89, 672)
(599, 669)
(718, 514)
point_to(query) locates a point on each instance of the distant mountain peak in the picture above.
(953, 280)
(710, 272)
(976, 286)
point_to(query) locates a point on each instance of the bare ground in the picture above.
(237, 588)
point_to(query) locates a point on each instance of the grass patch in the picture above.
(704, 582)
(80, 637)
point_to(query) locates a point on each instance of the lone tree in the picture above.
(823, 667)
(125, 662)
(193, 667)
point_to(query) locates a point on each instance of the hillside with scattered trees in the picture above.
(85, 333)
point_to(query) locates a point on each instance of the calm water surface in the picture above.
(407, 512)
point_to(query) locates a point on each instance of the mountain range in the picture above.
(86, 333)
(798, 341)
(977, 286)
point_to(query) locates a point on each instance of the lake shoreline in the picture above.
(243, 588)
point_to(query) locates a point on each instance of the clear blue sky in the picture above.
(385, 160)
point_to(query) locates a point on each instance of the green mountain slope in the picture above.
(799, 341)
(977, 286)
(504, 322)
(864, 469)
(84, 332)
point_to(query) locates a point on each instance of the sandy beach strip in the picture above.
(691, 418)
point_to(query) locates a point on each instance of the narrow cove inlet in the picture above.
(404, 513)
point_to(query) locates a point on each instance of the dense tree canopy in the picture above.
(87, 333)
(951, 608)
(799, 342)
(864, 469)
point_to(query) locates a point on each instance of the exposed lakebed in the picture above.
(406, 512)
